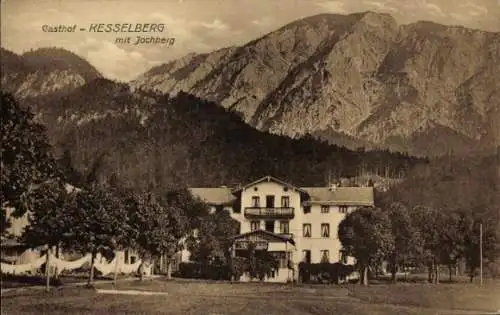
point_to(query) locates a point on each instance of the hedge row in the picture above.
(324, 272)
(194, 270)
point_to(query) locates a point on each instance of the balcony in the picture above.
(271, 213)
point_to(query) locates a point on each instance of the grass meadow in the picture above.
(217, 298)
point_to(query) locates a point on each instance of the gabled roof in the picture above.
(215, 196)
(268, 179)
(356, 196)
(265, 234)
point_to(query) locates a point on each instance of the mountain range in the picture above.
(147, 140)
(355, 80)
(358, 80)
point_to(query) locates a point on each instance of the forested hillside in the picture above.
(451, 183)
(185, 140)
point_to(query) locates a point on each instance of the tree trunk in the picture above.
(169, 268)
(393, 270)
(47, 270)
(56, 273)
(472, 270)
(364, 278)
(152, 269)
(450, 270)
(430, 271)
(436, 273)
(115, 276)
(92, 262)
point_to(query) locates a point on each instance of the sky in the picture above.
(199, 25)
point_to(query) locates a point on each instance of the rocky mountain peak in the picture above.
(45, 71)
(357, 76)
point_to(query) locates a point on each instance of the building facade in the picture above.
(296, 223)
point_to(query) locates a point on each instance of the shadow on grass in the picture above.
(19, 281)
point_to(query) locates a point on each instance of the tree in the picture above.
(408, 243)
(49, 222)
(211, 244)
(180, 207)
(26, 158)
(431, 223)
(491, 245)
(452, 239)
(259, 262)
(99, 223)
(366, 235)
(193, 209)
(157, 227)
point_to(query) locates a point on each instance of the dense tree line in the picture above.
(74, 211)
(26, 157)
(189, 141)
(432, 219)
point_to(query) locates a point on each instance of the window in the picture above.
(325, 256)
(343, 256)
(343, 209)
(269, 201)
(254, 225)
(325, 209)
(283, 258)
(285, 201)
(306, 230)
(306, 256)
(325, 230)
(270, 226)
(284, 227)
(255, 201)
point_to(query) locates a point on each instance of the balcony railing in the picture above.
(257, 212)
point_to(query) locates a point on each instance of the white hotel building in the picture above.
(296, 223)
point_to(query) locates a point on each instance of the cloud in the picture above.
(113, 61)
(263, 22)
(216, 25)
(433, 8)
(381, 6)
(332, 6)
(460, 17)
(474, 9)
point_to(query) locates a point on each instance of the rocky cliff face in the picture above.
(359, 76)
(44, 72)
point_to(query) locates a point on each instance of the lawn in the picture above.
(194, 297)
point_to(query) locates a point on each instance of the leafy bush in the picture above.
(324, 272)
(193, 270)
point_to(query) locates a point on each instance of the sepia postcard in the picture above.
(250, 157)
